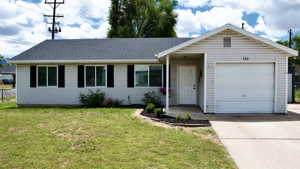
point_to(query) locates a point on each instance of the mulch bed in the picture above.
(172, 120)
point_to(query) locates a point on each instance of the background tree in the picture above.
(296, 46)
(1, 58)
(142, 18)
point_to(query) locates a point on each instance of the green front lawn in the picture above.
(297, 95)
(99, 138)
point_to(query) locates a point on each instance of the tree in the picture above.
(1, 58)
(296, 46)
(142, 18)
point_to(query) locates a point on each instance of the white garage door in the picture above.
(245, 88)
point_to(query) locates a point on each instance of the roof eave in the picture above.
(83, 61)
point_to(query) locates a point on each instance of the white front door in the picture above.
(187, 85)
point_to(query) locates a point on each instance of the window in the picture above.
(227, 42)
(47, 76)
(141, 76)
(95, 76)
(148, 75)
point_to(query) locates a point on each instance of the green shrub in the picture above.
(187, 116)
(117, 103)
(92, 99)
(151, 97)
(158, 112)
(113, 102)
(178, 117)
(150, 108)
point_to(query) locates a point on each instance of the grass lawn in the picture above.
(6, 86)
(99, 138)
(297, 95)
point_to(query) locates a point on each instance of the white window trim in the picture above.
(37, 76)
(148, 65)
(92, 87)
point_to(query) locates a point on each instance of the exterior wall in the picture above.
(70, 94)
(242, 46)
(174, 89)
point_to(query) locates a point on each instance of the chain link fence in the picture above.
(7, 94)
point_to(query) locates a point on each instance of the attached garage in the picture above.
(245, 87)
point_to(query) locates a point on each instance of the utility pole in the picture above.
(243, 24)
(292, 67)
(54, 4)
(290, 37)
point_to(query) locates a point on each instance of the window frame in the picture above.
(105, 67)
(47, 84)
(148, 65)
(225, 37)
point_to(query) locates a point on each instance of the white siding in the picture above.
(69, 95)
(242, 46)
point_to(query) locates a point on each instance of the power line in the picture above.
(54, 4)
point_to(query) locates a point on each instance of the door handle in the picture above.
(194, 86)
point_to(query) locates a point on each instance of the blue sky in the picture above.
(22, 24)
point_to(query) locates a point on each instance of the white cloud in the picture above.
(208, 20)
(193, 3)
(276, 16)
(22, 23)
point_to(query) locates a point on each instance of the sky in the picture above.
(22, 24)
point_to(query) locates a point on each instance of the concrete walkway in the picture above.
(261, 141)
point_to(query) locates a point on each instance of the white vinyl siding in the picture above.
(70, 94)
(241, 46)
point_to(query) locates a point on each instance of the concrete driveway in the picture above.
(261, 141)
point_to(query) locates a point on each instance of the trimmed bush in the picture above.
(92, 99)
(158, 112)
(187, 116)
(151, 97)
(150, 108)
(178, 117)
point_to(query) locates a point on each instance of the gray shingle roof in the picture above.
(94, 49)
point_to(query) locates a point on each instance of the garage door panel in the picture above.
(244, 88)
(239, 107)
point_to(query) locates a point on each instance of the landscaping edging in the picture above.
(160, 122)
(179, 124)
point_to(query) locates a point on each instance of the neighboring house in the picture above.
(227, 70)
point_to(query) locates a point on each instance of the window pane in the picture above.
(227, 42)
(90, 76)
(42, 76)
(156, 76)
(52, 76)
(101, 76)
(141, 76)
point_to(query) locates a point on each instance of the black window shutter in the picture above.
(110, 75)
(80, 76)
(130, 76)
(165, 75)
(32, 76)
(61, 76)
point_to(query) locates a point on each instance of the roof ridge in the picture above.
(119, 38)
